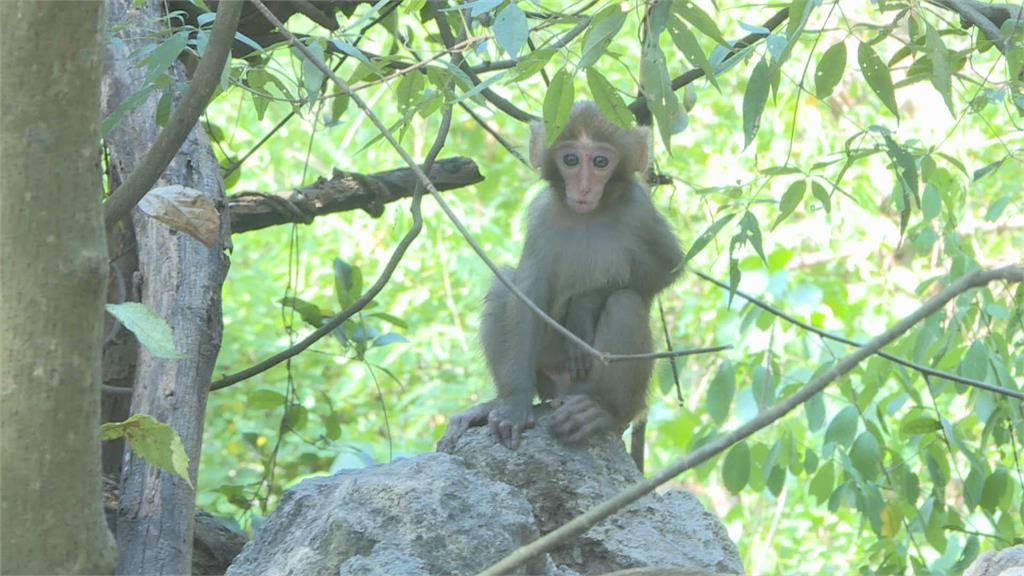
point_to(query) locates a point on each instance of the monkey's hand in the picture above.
(578, 416)
(459, 423)
(579, 363)
(508, 420)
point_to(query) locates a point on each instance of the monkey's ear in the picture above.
(642, 160)
(538, 144)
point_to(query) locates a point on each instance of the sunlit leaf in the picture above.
(152, 331)
(790, 200)
(557, 104)
(608, 99)
(707, 236)
(688, 44)
(830, 70)
(155, 442)
(877, 75)
(603, 28)
(736, 468)
(721, 391)
(754, 100)
(843, 427)
(511, 29)
(941, 73)
(700, 20)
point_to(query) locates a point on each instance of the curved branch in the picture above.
(987, 17)
(926, 370)
(182, 120)
(605, 509)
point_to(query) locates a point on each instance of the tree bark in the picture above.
(53, 257)
(343, 191)
(180, 279)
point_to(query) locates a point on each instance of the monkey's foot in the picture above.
(459, 423)
(578, 416)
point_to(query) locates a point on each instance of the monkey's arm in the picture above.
(661, 262)
(512, 336)
(581, 319)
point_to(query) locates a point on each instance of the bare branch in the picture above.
(343, 191)
(605, 509)
(184, 117)
(891, 357)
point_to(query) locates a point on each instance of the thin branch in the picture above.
(605, 509)
(497, 135)
(891, 357)
(562, 42)
(182, 120)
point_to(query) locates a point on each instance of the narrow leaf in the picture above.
(754, 100)
(878, 76)
(707, 236)
(688, 44)
(942, 74)
(558, 104)
(790, 200)
(700, 20)
(608, 99)
(830, 70)
(603, 28)
(721, 391)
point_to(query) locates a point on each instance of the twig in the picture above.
(891, 357)
(605, 509)
(184, 117)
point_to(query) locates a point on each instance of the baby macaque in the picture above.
(597, 252)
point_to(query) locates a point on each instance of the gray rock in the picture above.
(438, 514)
(420, 516)
(1007, 562)
(668, 529)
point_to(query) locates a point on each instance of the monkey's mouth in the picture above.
(581, 206)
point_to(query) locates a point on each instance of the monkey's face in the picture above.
(586, 167)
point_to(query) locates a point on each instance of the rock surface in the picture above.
(458, 514)
(1008, 562)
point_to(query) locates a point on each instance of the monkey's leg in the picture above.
(459, 423)
(613, 394)
(583, 312)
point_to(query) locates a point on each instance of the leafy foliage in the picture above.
(839, 193)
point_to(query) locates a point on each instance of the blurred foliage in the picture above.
(841, 169)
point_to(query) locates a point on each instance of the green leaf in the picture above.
(987, 169)
(608, 99)
(995, 210)
(821, 195)
(992, 492)
(557, 104)
(312, 77)
(877, 75)
(531, 64)
(866, 454)
(409, 90)
(752, 232)
(821, 484)
(975, 362)
(152, 331)
(511, 29)
(931, 202)
(721, 391)
(657, 88)
(700, 20)
(127, 105)
(264, 399)
(790, 200)
(843, 427)
(941, 73)
(602, 30)
(736, 468)
(830, 70)
(332, 425)
(348, 283)
(919, 425)
(688, 44)
(707, 236)
(163, 57)
(155, 442)
(814, 409)
(754, 100)
(907, 164)
(309, 312)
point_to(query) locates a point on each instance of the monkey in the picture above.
(597, 252)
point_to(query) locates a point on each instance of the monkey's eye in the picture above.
(601, 161)
(570, 159)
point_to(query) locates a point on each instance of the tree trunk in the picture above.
(54, 261)
(180, 279)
